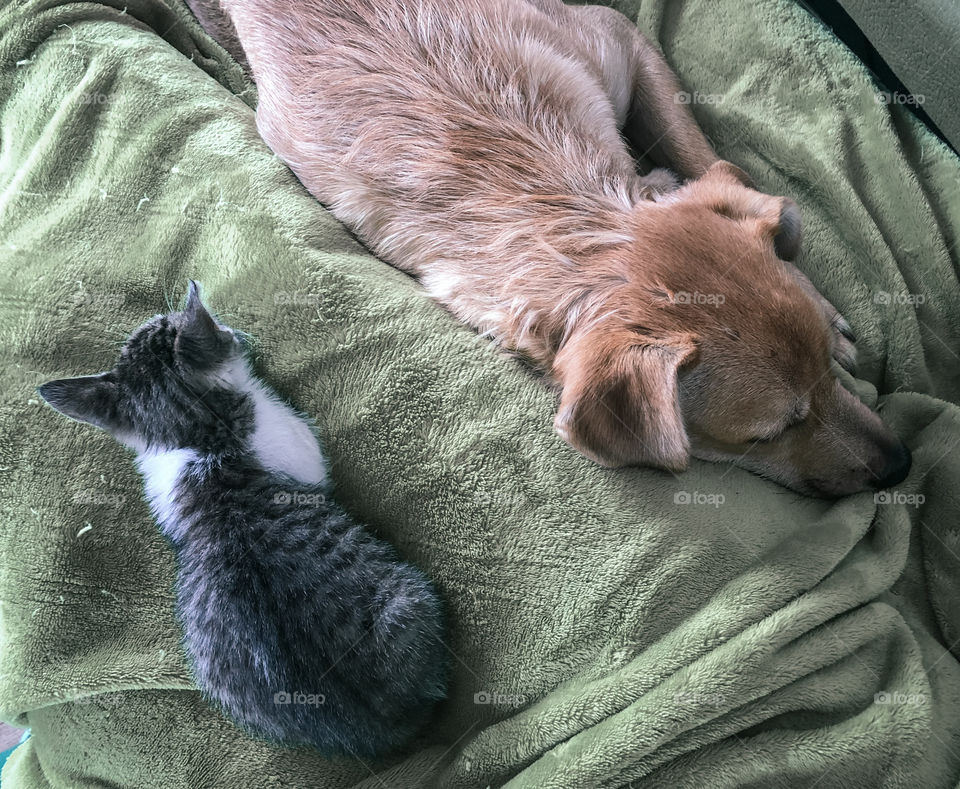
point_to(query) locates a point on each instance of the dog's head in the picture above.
(704, 343)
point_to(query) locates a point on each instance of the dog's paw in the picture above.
(844, 350)
(842, 337)
(656, 183)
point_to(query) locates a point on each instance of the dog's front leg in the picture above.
(659, 125)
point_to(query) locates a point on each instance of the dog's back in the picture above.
(469, 133)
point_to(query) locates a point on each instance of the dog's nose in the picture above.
(896, 469)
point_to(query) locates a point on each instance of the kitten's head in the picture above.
(168, 390)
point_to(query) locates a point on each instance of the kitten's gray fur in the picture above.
(298, 623)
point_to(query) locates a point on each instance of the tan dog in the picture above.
(476, 144)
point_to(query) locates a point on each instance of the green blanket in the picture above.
(607, 628)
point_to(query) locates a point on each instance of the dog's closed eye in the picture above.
(797, 418)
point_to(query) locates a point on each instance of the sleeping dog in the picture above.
(479, 145)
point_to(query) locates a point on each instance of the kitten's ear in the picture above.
(200, 339)
(90, 398)
(196, 315)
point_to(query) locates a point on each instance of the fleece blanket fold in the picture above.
(606, 628)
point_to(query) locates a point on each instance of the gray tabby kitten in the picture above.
(299, 624)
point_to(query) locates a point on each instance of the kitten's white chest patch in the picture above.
(161, 470)
(282, 441)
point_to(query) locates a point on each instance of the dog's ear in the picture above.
(722, 170)
(779, 216)
(619, 404)
(781, 221)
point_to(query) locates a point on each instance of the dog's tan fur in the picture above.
(477, 145)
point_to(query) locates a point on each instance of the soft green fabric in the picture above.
(621, 637)
(918, 40)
